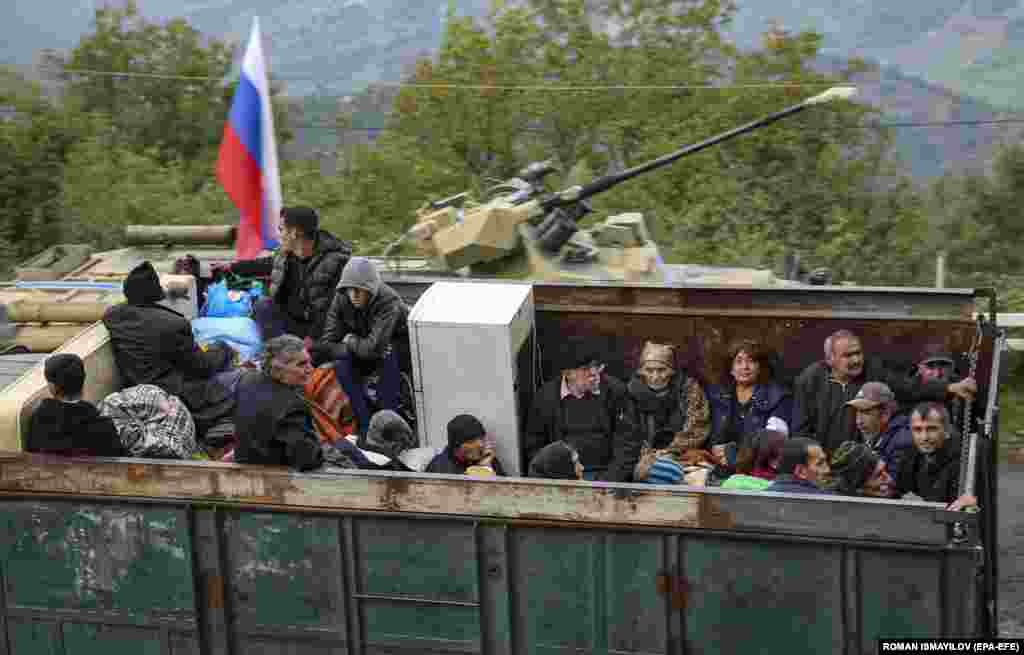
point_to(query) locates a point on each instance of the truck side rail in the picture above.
(200, 557)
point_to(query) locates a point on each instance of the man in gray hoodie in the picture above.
(365, 331)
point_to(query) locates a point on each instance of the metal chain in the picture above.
(965, 432)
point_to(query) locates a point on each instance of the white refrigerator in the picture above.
(466, 340)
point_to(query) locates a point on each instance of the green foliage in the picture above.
(176, 103)
(33, 144)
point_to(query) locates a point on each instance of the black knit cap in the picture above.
(66, 371)
(464, 428)
(304, 218)
(852, 464)
(142, 286)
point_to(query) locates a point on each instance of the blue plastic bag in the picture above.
(239, 332)
(222, 302)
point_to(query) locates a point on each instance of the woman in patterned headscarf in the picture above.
(670, 409)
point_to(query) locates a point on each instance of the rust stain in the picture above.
(710, 515)
(674, 584)
(394, 490)
(215, 592)
(137, 472)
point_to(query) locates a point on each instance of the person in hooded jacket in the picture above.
(746, 398)
(65, 424)
(154, 344)
(556, 461)
(466, 452)
(366, 331)
(389, 435)
(304, 273)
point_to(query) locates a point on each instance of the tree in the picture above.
(33, 144)
(172, 100)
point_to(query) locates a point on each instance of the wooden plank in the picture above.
(522, 499)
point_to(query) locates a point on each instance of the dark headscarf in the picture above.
(388, 434)
(852, 464)
(142, 286)
(554, 461)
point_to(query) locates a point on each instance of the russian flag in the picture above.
(247, 162)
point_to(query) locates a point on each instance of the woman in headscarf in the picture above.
(671, 414)
(557, 461)
(745, 400)
(670, 408)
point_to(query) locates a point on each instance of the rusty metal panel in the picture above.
(284, 575)
(783, 598)
(82, 577)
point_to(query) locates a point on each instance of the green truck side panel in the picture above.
(744, 597)
(115, 578)
(99, 557)
(280, 567)
(906, 602)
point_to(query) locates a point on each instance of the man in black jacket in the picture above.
(272, 420)
(303, 275)
(824, 388)
(932, 471)
(153, 344)
(366, 331)
(65, 424)
(589, 410)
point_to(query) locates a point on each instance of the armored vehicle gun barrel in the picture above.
(602, 184)
(518, 216)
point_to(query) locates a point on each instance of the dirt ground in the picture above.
(1011, 549)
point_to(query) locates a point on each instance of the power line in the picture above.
(478, 87)
(860, 126)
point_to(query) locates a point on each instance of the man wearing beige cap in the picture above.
(883, 430)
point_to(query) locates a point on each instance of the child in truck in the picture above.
(65, 424)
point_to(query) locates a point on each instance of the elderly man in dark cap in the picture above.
(466, 450)
(153, 344)
(65, 424)
(591, 411)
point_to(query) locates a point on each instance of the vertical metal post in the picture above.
(495, 599)
(210, 585)
(5, 647)
(940, 270)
